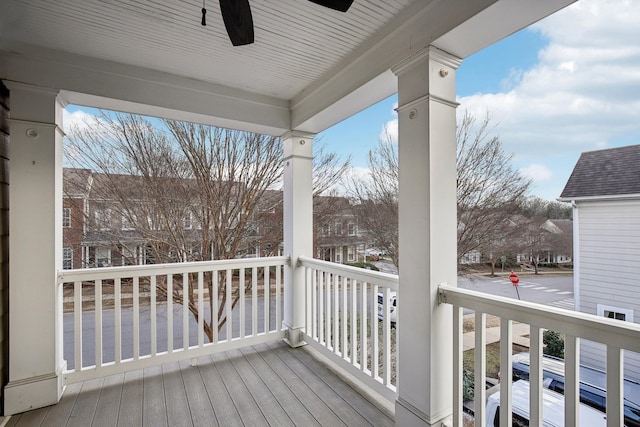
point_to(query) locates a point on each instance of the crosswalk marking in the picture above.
(566, 303)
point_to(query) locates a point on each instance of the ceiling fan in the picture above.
(239, 23)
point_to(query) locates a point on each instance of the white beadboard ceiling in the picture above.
(296, 41)
(309, 67)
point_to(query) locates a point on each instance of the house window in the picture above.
(186, 221)
(67, 258)
(326, 230)
(339, 228)
(351, 228)
(103, 257)
(103, 219)
(625, 314)
(127, 222)
(350, 254)
(66, 217)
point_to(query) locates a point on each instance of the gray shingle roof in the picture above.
(611, 172)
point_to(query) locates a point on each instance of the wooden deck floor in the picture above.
(265, 385)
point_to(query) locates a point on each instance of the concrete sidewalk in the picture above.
(520, 335)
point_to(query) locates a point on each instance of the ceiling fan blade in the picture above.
(341, 5)
(238, 21)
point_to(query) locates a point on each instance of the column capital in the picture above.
(298, 144)
(35, 103)
(293, 134)
(429, 53)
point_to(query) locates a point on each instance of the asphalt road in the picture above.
(556, 290)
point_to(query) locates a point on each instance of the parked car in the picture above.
(393, 309)
(552, 413)
(593, 385)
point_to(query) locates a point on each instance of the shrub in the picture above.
(553, 344)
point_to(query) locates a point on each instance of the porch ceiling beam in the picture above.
(104, 84)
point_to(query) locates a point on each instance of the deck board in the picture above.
(109, 402)
(200, 406)
(154, 409)
(84, 409)
(130, 414)
(262, 385)
(223, 407)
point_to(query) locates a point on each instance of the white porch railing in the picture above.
(615, 334)
(124, 318)
(342, 320)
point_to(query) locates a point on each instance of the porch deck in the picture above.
(266, 384)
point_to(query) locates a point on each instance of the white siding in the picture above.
(609, 254)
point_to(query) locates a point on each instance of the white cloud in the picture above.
(582, 95)
(78, 118)
(389, 131)
(537, 173)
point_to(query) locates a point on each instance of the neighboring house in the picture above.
(526, 240)
(76, 187)
(338, 238)
(604, 190)
(103, 227)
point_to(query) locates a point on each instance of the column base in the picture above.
(408, 415)
(293, 337)
(32, 393)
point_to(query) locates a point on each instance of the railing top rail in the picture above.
(66, 276)
(356, 273)
(624, 335)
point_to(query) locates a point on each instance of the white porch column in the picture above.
(35, 246)
(427, 235)
(298, 227)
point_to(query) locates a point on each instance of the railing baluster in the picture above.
(314, 303)
(327, 310)
(535, 375)
(373, 328)
(77, 324)
(615, 386)
(267, 298)
(480, 367)
(154, 314)
(214, 301)
(97, 294)
(185, 310)
(506, 372)
(336, 314)
(354, 319)
(457, 366)
(201, 309)
(242, 302)
(363, 327)
(118, 319)
(344, 317)
(229, 286)
(136, 318)
(571, 380)
(170, 313)
(321, 307)
(254, 302)
(279, 297)
(386, 335)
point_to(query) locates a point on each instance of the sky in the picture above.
(567, 84)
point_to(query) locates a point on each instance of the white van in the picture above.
(552, 409)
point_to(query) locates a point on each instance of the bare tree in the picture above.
(175, 191)
(489, 190)
(376, 197)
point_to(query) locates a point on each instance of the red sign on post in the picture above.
(513, 277)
